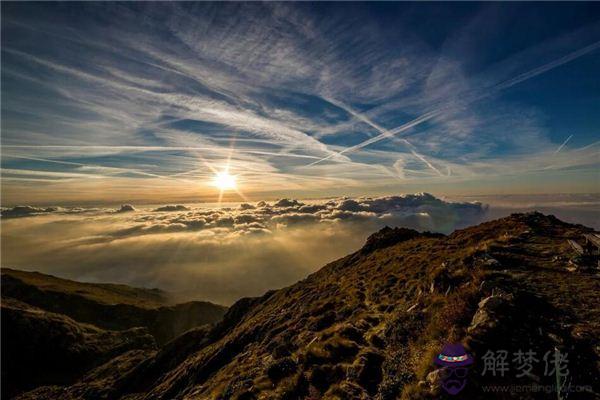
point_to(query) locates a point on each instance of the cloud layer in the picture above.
(217, 254)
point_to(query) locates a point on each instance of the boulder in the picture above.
(487, 315)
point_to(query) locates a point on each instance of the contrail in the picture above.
(496, 88)
(384, 135)
(563, 144)
(551, 65)
(156, 148)
(430, 165)
(588, 146)
(116, 169)
(381, 130)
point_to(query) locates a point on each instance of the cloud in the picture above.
(476, 95)
(221, 254)
(217, 254)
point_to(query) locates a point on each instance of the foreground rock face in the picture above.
(367, 326)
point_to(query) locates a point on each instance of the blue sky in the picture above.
(147, 101)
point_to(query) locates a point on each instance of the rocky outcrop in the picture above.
(126, 208)
(490, 312)
(387, 237)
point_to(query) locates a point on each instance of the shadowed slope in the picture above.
(109, 306)
(39, 347)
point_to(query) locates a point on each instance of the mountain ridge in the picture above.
(42, 313)
(109, 306)
(368, 325)
(41, 347)
(105, 293)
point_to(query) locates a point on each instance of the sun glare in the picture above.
(224, 181)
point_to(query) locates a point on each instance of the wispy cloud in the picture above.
(282, 84)
(468, 99)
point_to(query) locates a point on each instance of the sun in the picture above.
(224, 181)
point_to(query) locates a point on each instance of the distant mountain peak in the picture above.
(387, 237)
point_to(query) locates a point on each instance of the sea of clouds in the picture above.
(215, 254)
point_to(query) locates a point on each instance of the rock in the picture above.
(486, 317)
(170, 207)
(126, 208)
(434, 377)
(491, 303)
(555, 339)
(434, 381)
(481, 319)
(387, 237)
(491, 263)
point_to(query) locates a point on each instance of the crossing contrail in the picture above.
(494, 89)
(381, 130)
(563, 144)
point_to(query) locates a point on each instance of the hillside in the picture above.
(369, 325)
(102, 293)
(109, 306)
(39, 347)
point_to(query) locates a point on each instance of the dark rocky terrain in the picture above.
(368, 326)
(54, 330)
(40, 347)
(109, 306)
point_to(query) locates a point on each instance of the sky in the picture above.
(146, 102)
